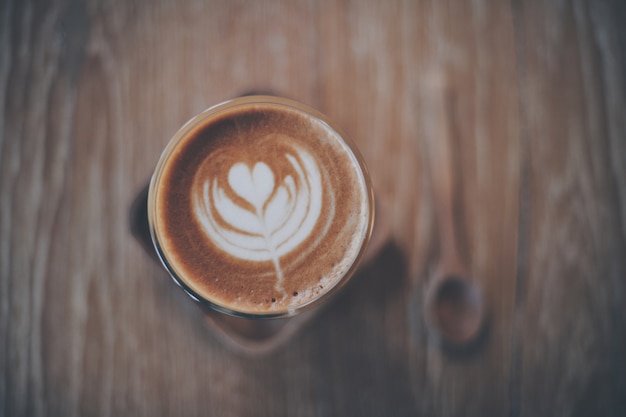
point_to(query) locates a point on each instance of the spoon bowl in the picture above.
(454, 310)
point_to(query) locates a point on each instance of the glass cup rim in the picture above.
(212, 111)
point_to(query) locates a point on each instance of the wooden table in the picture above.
(90, 92)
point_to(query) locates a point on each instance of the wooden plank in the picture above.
(90, 92)
(572, 334)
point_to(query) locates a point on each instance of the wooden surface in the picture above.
(90, 92)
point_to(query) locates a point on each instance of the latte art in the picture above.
(260, 207)
(258, 216)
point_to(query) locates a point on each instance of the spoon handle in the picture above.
(439, 152)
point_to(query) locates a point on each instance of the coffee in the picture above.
(260, 207)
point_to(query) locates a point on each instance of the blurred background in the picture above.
(535, 124)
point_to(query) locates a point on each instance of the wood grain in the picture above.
(574, 283)
(91, 91)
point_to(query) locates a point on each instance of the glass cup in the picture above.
(244, 330)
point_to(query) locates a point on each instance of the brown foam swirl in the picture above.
(261, 209)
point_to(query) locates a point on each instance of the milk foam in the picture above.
(273, 215)
(261, 209)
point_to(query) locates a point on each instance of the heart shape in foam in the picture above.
(254, 186)
(281, 211)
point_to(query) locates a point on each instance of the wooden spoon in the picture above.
(453, 304)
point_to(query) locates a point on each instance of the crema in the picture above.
(259, 206)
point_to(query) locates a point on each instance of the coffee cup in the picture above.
(260, 208)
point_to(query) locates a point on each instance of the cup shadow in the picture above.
(247, 336)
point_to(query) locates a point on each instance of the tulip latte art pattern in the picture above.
(258, 216)
(260, 209)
